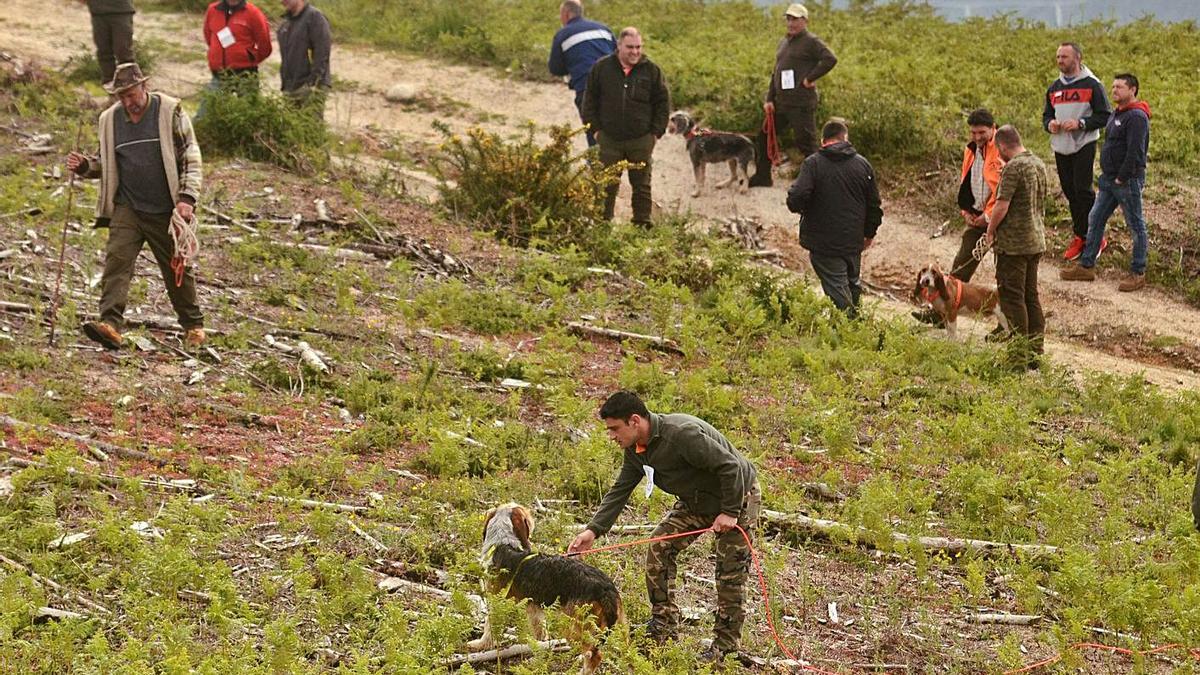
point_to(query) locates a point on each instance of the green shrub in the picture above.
(83, 67)
(527, 194)
(240, 120)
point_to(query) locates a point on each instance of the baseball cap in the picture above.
(797, 10)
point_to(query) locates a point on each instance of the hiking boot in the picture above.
(1078, 273)
(1075, 249)
(929, 316)
(716, 657)
(193, 338)
(657, 634)
(1132, 282)
(998, 334)
(761, 179)
(103, 333)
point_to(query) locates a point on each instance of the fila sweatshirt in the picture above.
(1079, 98)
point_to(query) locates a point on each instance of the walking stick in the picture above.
(62, 247)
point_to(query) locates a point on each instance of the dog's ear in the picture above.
(487, 518)
(522, 524)
(939, 282)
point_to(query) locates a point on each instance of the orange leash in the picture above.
(762, 583)
(1194, 653)
(774, 153)
(762, 586)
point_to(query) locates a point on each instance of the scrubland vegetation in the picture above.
(419, 425)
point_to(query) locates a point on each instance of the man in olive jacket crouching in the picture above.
(716, 487)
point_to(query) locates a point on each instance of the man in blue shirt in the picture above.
(578, 45)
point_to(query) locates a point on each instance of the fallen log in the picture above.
(52, 613)
(864, 537)
(111, 480)
(229, 219)
(503, 654)
(16, 307)
(55, 585)
(1004, 619)
(390, 584)
(658, 342)
(128, 453)
(314, 504)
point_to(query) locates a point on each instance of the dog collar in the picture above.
(930, 294)
(696, 132)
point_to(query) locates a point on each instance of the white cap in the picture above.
(797, 10)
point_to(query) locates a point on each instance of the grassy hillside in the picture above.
(906, 79)
(416, 428)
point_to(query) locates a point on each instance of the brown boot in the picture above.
(1132, 282)
(1078, 273)
(193, 338)
(103, 333)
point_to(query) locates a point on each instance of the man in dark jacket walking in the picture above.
(577, 46)
(716, 486)
(840, 212)
(112, 31)
(304, 45)
(626, 103)
(1122, 179)
(791, 100)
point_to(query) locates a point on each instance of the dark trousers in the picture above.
(309, 99)
(1016, 283)
(113, 35)
(839, 277)
(965, 263)
(1075, 175)
(128, 230)
(802, 122)
(591, 136)
(636, 150)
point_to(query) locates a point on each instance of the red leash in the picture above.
(774, 153)
(1194, 653)
(762, 585)
(762, 582)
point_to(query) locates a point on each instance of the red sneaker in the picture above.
(1103, 245)
(1075, 249)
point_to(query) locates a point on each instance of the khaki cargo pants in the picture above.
(733, 566)
(128, 231)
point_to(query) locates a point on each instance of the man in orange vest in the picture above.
(977, 184)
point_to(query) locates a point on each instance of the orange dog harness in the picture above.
(930, 294)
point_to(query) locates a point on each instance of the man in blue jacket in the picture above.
(1122, 179)
(577, 46)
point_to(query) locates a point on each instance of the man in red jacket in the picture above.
(238, 39)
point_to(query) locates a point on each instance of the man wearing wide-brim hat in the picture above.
(149, 168)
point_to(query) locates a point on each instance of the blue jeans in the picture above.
(1129, 197)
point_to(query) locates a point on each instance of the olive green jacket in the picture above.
(692, 461)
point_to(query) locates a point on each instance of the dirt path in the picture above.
(1083, 314)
